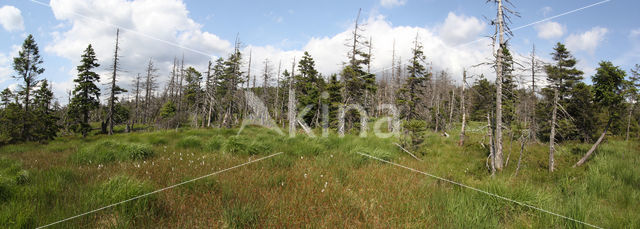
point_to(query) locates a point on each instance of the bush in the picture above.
(11, 176)
(157, 140)
(214, 144)
(414, 134)
(122, 188)
(110, 151)
(241, 216)
(190, 142)
(236, 145)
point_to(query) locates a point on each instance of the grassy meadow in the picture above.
(315, 183)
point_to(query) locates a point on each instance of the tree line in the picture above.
(545, 102)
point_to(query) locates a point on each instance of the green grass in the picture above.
(316, 182)
(121, 188)
(111, 151)
(190, 142)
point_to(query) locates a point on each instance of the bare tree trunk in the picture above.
(534, 68)
(437, 113)
(249, 71)
(136, 115)
(498, 154)
(112, 97)
(181, 78)
(552, 137)
(210, 113)
(506, 163)
(629, 121)
(523, 142)
(453, 96)
(492, 155)
(595, 146)
(292, 103)
(464, 113)
(275, 103)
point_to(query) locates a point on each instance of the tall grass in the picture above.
(317, 182)
(121, 188)
(110, 151)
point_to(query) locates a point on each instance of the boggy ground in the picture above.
(316, 182)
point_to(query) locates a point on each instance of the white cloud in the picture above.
(151, 29)
(5, 69)
(635, 33)
(587, 41)
(11, 18)
(6, 59)
(330, 52)
(392, 3)
(168, 20)
(550, 30)
(458, 29)
(546, 10)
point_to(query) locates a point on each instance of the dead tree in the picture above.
(462, 109)
(136, 115)
(502, 29)
(180, 79)
(451, 102)
(492, 154)
(266, 77)
(249, 70)
(292, 101)
(149, 86)
(534, 66)
(595, 146)
(552, 136)
(523, 142)
(275, 103)
(114, 89)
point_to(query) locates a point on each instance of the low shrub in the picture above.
(110, 151)
(213, 144)
(11, 176)
(190, 142)
(242, 216)
(121, 188)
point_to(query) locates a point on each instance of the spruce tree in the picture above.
(334, 88)
(5, 97)
(561, 76)
(509, 87)
(86, 95)
(45, 126)
(308, 86)
(608, 93)
(414, 90)
(192, 90)
(229, 81)
(27, 67)
(581, 107)
(631, 94)
(482, 102)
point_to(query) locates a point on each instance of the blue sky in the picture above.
(280, 30)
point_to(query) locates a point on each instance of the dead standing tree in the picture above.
(501, 24)
(533, 67)
(462, 108)
(113, 88)
(150, 85)
(292, 101)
